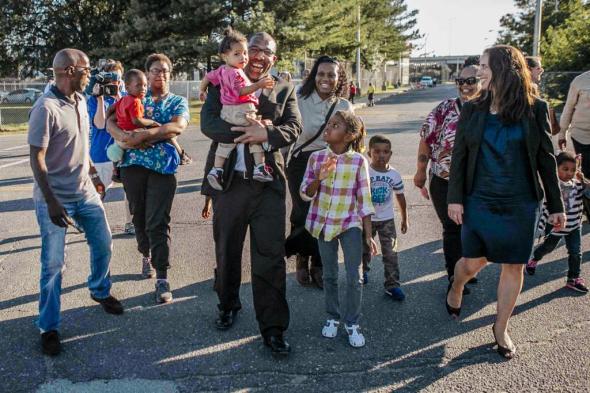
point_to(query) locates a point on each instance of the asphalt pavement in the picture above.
(411, 345)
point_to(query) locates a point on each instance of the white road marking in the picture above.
(14, 163)
(14, 148)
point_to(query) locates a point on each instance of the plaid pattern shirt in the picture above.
(343, 199)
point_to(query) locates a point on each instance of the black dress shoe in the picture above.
(50, 343)
(110, 305)
(278, 346)
(226, 319)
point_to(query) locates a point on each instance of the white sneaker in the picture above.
(330, 329)
(355, 337)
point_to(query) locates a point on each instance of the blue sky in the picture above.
(459, 27)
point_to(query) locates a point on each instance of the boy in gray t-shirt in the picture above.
(58, 138)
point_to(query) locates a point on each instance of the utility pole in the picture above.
(537, 33)
(358, 49)
(399, 70)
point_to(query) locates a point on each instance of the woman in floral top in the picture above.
(148, 171)
(436, 147)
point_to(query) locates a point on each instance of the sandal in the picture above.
(330, 329)
(355, 337)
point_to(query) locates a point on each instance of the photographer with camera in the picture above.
(104, 89)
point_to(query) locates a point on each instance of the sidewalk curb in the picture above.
(381, 97)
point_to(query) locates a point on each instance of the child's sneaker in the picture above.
(364, 280)
(262, 173)
(330, 329)
(129, 229)
(355, 337)
(215, 178)
(531, 266)
(577, 284)
(147, 271)
(163, 294)
(396, 293)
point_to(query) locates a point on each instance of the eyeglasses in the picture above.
(85, 70)
(470, 81)
(254, 51)
(157, 71)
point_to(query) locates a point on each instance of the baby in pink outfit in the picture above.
(239, 99)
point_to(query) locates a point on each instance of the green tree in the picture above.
(567, 47)
(39, 28)
(517, 29)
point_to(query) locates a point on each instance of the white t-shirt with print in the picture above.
(383, 186)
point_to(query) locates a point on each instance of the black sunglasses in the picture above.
(470, 81)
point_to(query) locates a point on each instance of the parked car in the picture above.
(3, 94)
(426, 81)
(22, 96)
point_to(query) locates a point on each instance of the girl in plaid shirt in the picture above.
(336, 182)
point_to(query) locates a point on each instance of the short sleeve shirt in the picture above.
(438, 131)
(383, 186)
(158, 157)
(61, 125)
(127, 109)
(231, 80)
(100, 139)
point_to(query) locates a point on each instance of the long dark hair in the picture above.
(309, 86)
(510, 89)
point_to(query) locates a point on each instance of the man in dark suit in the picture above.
(245, 203)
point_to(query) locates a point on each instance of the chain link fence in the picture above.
(17, 98)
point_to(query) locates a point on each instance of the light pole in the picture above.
(537, 33)
(358, 49)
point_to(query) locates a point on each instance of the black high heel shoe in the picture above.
(454, 312)
(506, 353)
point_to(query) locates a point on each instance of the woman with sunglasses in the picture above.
(436, 145)
(319, 97)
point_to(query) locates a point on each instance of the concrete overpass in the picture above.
(449, 65)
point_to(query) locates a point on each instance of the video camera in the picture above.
(108, 82)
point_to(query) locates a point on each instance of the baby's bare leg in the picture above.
(175, 143)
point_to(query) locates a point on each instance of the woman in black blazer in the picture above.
(502, 148)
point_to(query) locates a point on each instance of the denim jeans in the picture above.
(573, 242)
(89, 214)
(352, 247)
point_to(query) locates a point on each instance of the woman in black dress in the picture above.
(502, 148)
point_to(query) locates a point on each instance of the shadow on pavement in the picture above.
(407, 342)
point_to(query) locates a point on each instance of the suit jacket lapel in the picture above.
(267, 95)
(480, 126)
(526, 133)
